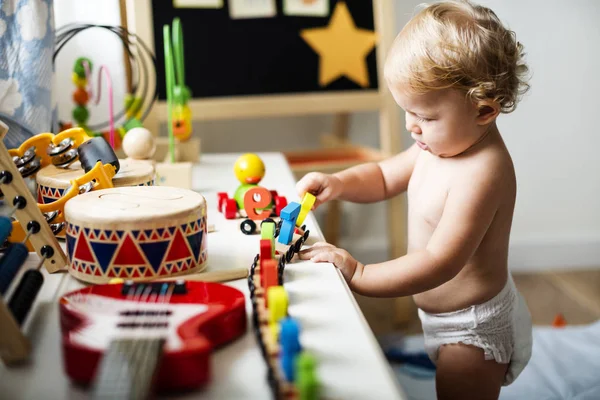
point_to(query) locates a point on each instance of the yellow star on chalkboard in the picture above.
(342, 48)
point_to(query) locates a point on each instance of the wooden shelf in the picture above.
(330, 160)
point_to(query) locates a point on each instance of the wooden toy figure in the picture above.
(257, 202)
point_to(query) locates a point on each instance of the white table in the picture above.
(350, 362)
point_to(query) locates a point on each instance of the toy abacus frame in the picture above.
(281, 389)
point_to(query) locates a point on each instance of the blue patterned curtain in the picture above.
(26, 69)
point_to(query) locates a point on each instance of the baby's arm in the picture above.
(469, 210)
(367, 183)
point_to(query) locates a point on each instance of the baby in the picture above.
(453, 69)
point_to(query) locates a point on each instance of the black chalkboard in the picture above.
(227, 57)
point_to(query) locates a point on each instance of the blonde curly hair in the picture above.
(460, 45)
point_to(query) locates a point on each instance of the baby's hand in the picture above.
(325, 187)
(325, 252)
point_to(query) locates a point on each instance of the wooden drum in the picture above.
(139, 233)
(52, 181)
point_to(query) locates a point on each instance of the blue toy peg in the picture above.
(289, 214)
(290, 346)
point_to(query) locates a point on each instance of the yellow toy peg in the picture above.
(277, 299)
(308, 201)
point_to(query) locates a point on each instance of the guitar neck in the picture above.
(127, 369)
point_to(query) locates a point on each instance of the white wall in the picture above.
(552, 135)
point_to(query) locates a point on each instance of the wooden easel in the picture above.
(340, 104)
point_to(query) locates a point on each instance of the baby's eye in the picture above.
(423, 119)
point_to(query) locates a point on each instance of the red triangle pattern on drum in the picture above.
(154, 236)
(114, 237)
(111, 273)
(40, 199)
(148, 272)
(122, 273)
(102, 236)
(92, 235)
(166, 234)
(142, 236)
(136, 273)
(82, 249)
(97, 271)
(179, 248)
(128, 253)
(163, 271)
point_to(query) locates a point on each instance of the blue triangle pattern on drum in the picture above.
(129, 270)
(117, 270)
(135, 234)
(148, 233)
(87, 231)
(104, 253)
(195, 242)
(70, 246)
(97, 232)
(48, 200)
(155, 252)
(183, 227)
(160, 232)
(172, 229)
(120, 234)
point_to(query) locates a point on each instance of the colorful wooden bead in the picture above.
(79, 68)
(80, 96)
(79, 81)
(81, 115)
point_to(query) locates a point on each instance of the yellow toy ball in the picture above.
(249, 169)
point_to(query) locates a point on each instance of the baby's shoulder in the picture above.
(491, 165)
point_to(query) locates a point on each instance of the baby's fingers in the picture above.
(307, 253)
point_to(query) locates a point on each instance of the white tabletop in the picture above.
(350, 364)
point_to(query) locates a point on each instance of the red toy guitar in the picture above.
(134, 337)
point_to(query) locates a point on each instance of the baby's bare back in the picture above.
(485, 273)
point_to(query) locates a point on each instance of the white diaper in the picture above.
(500, 326)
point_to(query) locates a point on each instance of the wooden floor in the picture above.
(574, 294)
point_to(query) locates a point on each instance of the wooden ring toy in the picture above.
(139, 233)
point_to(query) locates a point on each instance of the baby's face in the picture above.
(442, 122)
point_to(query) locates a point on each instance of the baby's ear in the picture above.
(487, 111)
